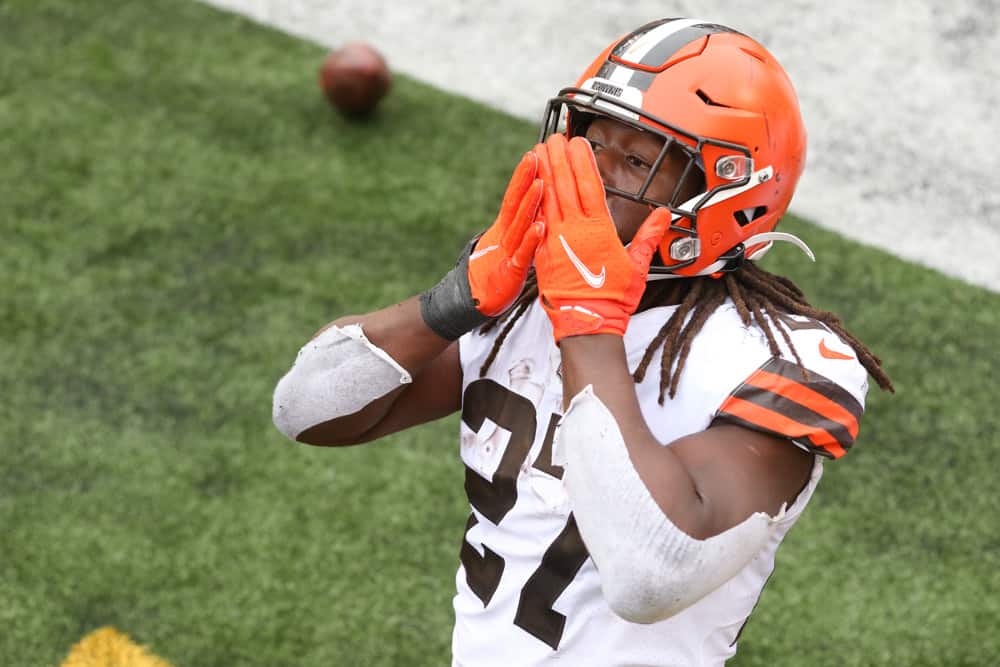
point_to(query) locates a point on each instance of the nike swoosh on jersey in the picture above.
(824, 351)
(483, 251)
(592, 279)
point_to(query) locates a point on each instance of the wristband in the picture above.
(448, 308)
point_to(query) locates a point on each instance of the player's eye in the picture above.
(637, 162)
(594, 144)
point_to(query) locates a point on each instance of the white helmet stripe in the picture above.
(638, 49)
(620, 75)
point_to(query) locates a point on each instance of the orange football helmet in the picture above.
(726, 102)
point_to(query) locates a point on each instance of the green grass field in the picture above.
(180, 210)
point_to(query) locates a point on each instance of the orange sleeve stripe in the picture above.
(798, 392)
(779, 424)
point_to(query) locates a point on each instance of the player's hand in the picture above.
(588, 281)
(491, 271)
(499, 263)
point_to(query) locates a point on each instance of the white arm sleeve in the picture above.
(335, 374)
(649, 568)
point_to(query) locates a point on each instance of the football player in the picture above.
(645, 412)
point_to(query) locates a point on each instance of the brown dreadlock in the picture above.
(760, 297)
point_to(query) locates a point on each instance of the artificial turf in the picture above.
(180, 210)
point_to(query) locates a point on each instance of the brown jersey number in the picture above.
(494, 498)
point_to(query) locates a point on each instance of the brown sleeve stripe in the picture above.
(763, 419)
(730, 419)
(798, 413)
(818, 383)
(762, 385)
(778, 398)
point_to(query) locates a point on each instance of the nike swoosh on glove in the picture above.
(490, 273)
(588, 281)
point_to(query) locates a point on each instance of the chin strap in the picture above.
(770, 238)
(765, 237)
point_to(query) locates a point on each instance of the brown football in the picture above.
(354, 78)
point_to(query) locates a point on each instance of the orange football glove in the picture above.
(588, 281)
(500, 261)
(490, 273)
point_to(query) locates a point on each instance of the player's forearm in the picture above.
(636, 505)
(600, 361)
(651, 568)
(400, 331)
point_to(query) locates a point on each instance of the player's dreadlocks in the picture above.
(760, 297)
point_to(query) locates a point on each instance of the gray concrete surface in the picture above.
(899, 97)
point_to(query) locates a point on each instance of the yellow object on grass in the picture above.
(107, 647)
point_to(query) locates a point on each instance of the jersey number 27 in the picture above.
(486, 399)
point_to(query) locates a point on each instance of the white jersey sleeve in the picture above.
(731, 376)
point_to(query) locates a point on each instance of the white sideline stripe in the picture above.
(897, 157)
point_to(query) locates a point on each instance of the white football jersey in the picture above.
(527, 591)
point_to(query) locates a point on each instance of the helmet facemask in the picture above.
(571, 113)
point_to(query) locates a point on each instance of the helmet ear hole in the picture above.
(747, 215)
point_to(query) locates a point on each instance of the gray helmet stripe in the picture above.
(675, 37)
(641, 80)
(672, 43)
